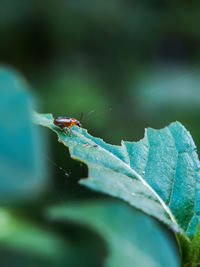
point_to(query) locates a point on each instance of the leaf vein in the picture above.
(174, 177)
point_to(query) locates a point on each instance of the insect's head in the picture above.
(78, 123)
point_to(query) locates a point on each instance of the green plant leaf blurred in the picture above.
(21, 167)
(168, 89)
(132, 238)
(41, 245)
(158, 175)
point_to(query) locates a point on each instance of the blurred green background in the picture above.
(135, 63)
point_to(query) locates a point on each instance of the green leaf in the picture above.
(161, 89)
(195, 248)
(158, 175)
(21, 236)
(132, 238)
(21, 167)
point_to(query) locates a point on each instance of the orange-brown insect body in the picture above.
(66, 122)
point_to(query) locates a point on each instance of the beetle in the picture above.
(66, 123)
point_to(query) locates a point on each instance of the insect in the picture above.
(66, 123)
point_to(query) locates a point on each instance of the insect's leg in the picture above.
(65, 131)
(70, 131)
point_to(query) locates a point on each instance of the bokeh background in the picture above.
(135, 63)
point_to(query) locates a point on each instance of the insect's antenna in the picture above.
(89, 113)
(85, 116)
(81, 118)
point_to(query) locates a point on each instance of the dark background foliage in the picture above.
(135, 63)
